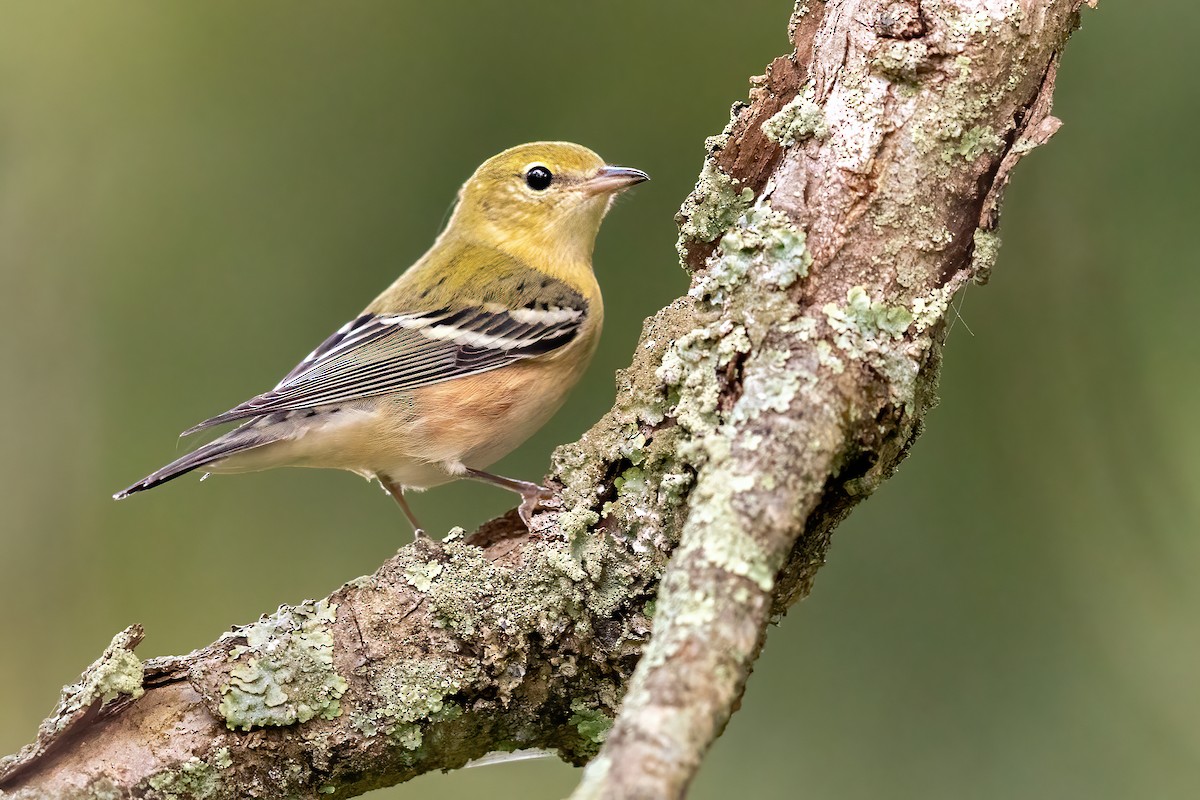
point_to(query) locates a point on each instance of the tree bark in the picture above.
(834, 220)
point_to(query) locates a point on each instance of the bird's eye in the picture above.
(538, 178)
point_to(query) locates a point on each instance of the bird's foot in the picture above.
(535, 498)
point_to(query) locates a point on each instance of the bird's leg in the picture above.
(397, 493)
(533, 496)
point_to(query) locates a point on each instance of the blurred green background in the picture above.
(193, 196)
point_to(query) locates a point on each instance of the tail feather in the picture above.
(234, 442)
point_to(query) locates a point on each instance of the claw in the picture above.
(534, 499)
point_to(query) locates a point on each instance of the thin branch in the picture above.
(833, 222)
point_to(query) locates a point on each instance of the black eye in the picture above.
(538, 178)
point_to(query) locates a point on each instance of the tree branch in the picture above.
(833, 222)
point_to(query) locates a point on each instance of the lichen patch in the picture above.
(801, 118)
(714, 204)
(284, 672)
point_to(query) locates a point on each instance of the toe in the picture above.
(539, 497)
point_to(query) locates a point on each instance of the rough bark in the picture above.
(831, 226)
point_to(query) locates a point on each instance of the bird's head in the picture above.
(541, 199)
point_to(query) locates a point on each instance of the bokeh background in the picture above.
(193, 195)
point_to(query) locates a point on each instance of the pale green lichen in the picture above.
(900, 59)
(561, 586)
(673, 487)
(632, 447)
(697, 610)
(577, 521)
(984, 254)
(461, 593)
(117, 672)
(972, 25)
(762, 248)
(863, 320)
(194, 779)
(121, 675)
(957, 124)
(928, 309)
(409, 737)
(411, 693)
(361, 582)
(691, 368)
(591, 722)
(632, 432)
(771, 384)
(581, 489)
(630, 481)
(284, 673)
(648, 492)
(610, 581)
(714, 143)
(421, 576)
(711, 207)
(763, 241)
(864, 330)
(689, 371)
(568, 563)
(801, 118)
(803, 328)
(726, 543)
(473, 591)
(964, 106)
(827, 358)
(971, 143)
(222, 758)
(1025, 144)
(569, 584)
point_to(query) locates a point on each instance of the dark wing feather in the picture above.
(375, 355)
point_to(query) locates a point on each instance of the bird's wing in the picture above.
(384, 353)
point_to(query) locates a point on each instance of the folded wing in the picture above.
(381, 354)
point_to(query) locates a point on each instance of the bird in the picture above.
(460, 360)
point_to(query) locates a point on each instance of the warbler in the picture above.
(468, 353)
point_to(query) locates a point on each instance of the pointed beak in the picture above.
(612, 179)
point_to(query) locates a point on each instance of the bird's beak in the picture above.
(612, 179)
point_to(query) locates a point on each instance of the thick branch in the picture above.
(833, 222)
(880, 146)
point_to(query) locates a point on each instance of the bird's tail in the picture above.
(235, 441)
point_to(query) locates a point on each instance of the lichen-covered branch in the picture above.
(835, 219)
(832, 224)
